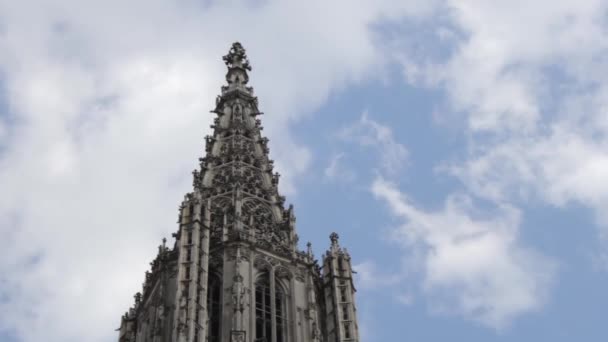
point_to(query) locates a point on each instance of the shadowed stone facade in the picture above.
(235, 272)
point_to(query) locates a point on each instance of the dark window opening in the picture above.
(214, 309)
(263, 314)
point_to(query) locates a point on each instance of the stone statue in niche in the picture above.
(239, 296)
(160, 319)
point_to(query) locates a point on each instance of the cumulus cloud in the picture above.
(106, 106)
(528, 81)
(530, 85)
(471, 262)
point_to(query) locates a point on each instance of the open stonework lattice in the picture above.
(235, 272)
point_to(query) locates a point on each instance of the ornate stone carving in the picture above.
(237, 58)
(243, 255)
(237, 336)
(283, 272)
(300, 275)
(222, 216)
(262, 264)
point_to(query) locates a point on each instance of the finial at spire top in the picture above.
(237, 58)
(334, 238)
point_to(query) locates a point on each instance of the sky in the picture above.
(459, 148)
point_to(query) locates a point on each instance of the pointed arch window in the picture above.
(270, 310)
(279, 298)
(263, 310)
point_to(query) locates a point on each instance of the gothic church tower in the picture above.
(235, 273)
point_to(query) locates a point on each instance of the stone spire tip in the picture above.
(237, 57)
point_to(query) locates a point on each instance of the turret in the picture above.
(190, 304)
(339, 294)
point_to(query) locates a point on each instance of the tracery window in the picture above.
(263, 311)
(268, 317)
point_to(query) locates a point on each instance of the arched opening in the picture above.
(270, 309)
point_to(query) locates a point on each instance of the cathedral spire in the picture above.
(235, 272)
(237, 172)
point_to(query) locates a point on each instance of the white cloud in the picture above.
(498, 74)
(472, 263)
(368, 132)
(337, 171)
(368, 277)
(111, 101)
(530, 81)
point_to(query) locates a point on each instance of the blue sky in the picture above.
(459, 148)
